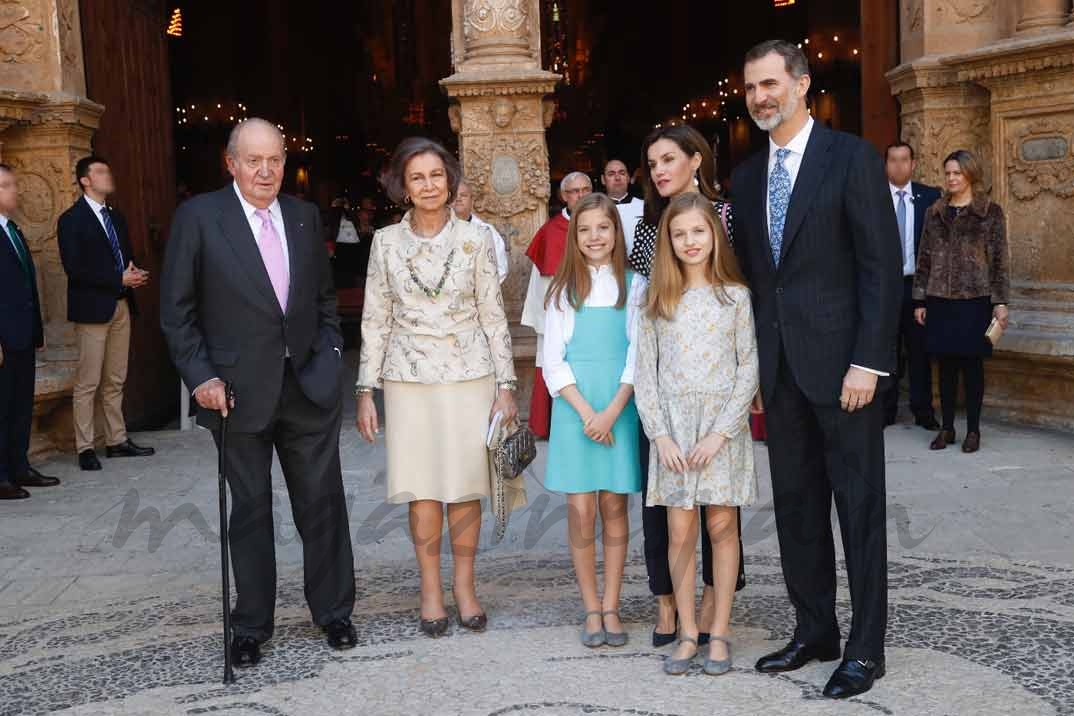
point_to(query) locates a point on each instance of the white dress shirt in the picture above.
(502, 265)
(792, 163)
(909, 258)
(347, 234)
(629, 215)
(559, 327)
(96, 206)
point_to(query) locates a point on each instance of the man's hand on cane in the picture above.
(213, 396)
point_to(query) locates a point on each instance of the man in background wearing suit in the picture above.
(817, 241)
(910, 200)
(101, 278)
(20, 333)
(247, 298)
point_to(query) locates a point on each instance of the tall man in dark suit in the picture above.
(817, 240)
(247, 297)
(101, 278)
(910, 200)
(20, 333)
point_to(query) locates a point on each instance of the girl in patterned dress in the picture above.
(696, 377)
(592, 308)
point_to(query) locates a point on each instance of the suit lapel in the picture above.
(241, 239)
(919, 213)
(293, 228)
(810, 177)
(91, 217)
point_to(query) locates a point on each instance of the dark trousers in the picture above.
(16, 412)
(913, 359)
(818, 452)
(972, 370)
(306, 439)
(654, 524)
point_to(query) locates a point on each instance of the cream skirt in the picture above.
(435, 434)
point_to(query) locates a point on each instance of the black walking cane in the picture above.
(225, 566)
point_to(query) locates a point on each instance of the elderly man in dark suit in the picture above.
(817, 240)
(247, 298)
(910, 200)
(20, 333)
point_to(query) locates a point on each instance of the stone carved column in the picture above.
(1042, 15)
(500, 116)
(46, 124)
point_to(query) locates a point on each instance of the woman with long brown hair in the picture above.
(962, 283)
(675, 161)
(590, 324)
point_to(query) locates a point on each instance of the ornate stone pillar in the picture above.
(1043, 15)
(500, 117)
(46, 124)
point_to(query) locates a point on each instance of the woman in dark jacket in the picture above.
(962, 283)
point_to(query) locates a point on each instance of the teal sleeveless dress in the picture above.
(596, 354)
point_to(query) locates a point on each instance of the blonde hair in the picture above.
(572, 277)
(668, 278)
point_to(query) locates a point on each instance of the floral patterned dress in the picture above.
(697, 375)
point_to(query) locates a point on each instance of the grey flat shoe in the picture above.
(593, 639)
(614, 638)
(715, 667)
(678, 667)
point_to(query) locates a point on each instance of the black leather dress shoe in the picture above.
(245, 652)
(9, 491)
(87, 460)
(853, 677)
(341, 634)
(33, 478)
(928, 422)
(794, 656)
(129, 449)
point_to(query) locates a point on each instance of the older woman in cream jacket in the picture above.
(435, 339)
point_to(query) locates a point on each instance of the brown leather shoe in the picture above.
(943, 439)
(9, 491)
(972, 443)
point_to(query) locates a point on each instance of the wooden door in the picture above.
(126, 57)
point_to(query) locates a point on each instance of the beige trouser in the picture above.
(103, 364)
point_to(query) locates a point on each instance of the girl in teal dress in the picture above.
(591, 317)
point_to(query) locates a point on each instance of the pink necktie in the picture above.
(270, 244)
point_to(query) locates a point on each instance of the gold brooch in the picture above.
(468, 247)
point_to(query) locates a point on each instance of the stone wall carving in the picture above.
(934, 135)
(1028, 177)
(498, 32)
(70, 36)
(509, 174)
(22, 32)
(962, 11)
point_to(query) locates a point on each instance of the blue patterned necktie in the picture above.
(779, 198)
(113, 238)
